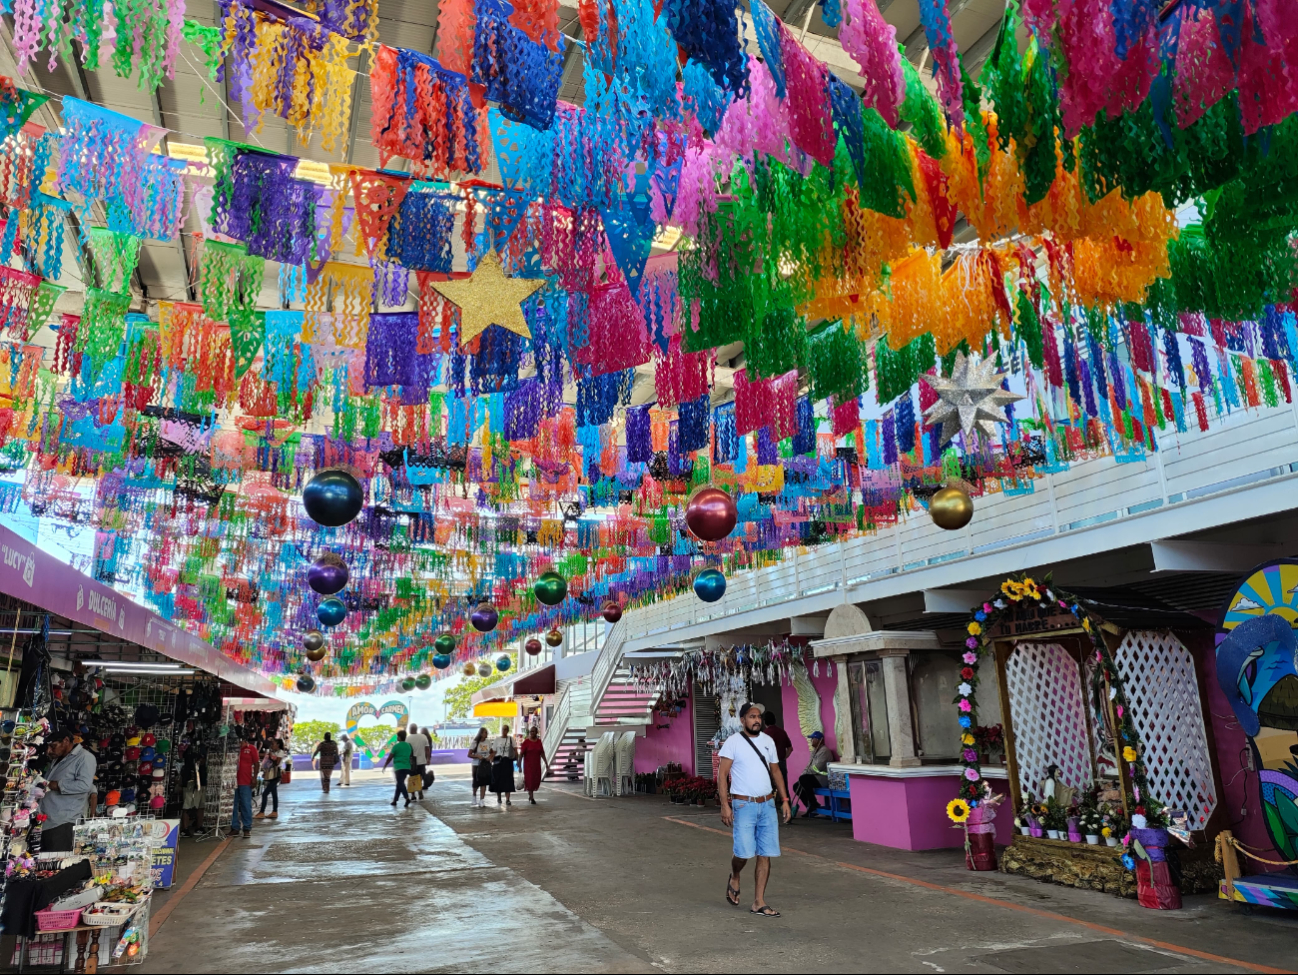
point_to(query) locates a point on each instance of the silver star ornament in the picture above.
(970, 398)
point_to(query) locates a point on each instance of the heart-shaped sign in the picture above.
(371, 743)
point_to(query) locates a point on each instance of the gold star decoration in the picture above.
(970, 398)
(489, 297)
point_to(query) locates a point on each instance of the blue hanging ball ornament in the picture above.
(423, 682)
(503, 662)
(306, 684)
(441, 660)
(551, 588)
(333, 498)
(710, 585)
(331, 611)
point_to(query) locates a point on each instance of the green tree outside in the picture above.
(459, 699)
(308, 734)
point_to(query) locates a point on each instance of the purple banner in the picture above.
(39, 578)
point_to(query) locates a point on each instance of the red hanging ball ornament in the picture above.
(532, 646)
(711, 514)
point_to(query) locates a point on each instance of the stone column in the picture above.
(896, 687)
(844, 733)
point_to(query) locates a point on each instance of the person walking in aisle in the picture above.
(749, 782)
(816, 775)
(345, 748)
(192, 800)
(420, 745)
(480, 755)
(326, 756)
(244, 776)
(503, 755)
(400, 758)
(272, 767)
(783, 745)
(531, 757)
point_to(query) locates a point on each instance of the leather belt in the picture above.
(765, 798)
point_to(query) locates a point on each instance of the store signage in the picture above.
(164, 856)
(39, 577)
(1023, 620)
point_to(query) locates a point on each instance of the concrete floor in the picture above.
(345, 883)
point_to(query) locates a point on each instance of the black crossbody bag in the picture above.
(765, 764)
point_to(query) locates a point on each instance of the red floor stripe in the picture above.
(1050, 915)
(190, 882)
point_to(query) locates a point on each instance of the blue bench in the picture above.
(838, 807)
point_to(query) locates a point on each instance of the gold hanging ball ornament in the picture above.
(554, 638)
(489, 297)
(951, 508)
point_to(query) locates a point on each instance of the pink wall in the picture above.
(1240, 789)
(671, 744)
(825, 685)
(910, 813)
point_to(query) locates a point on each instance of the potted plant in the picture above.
(990, 740)
(1091, 823)
(1037, 820)
(1115, 826)
(1056, 819)
(1023, 817)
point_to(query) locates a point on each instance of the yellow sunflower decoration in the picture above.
(957, 810)
(1129, 754)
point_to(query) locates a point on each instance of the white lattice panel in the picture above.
(1163, 693)
(1049, 715)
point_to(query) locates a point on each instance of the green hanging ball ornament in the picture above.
(423, 682)
(408, 684)
(444, 644)
(551, 588)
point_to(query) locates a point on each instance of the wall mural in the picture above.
(370, 741)
(1257, 668)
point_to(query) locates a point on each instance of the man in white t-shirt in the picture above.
(419, 744)
(750, 782)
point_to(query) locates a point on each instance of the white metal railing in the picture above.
(1242, 450)
(557, 726)
(566, 707)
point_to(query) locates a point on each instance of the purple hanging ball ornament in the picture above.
(710, 585)
(484, 617)
(328, 574)
(611, 611)
(711, 514)
(333, 498)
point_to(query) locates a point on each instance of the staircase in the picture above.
(616, 704)
(625, 704)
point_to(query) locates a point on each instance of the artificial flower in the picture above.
(967, 673)
(1129, 754)
(965, 721)
(971, 774)
(1106, 832)
(972, 644)
(964, 690)
(1128, 861)
(969, 755)
(975, 628)
(999, 604)
(970, 658)
(1138, 821)
(957, 810)
(980, 616)
(966, 739)
(965, 705)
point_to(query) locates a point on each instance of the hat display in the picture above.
(113, 798)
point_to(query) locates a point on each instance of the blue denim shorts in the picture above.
(757, 829)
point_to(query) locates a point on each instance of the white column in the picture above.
(844, 733)
(896, 687)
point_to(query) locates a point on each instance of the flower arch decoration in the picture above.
(1107, 684)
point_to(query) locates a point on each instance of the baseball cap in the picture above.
(816, 734)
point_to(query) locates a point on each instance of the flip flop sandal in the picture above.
(766, 911)
(731, 889)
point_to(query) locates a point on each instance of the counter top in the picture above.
(916, 771)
